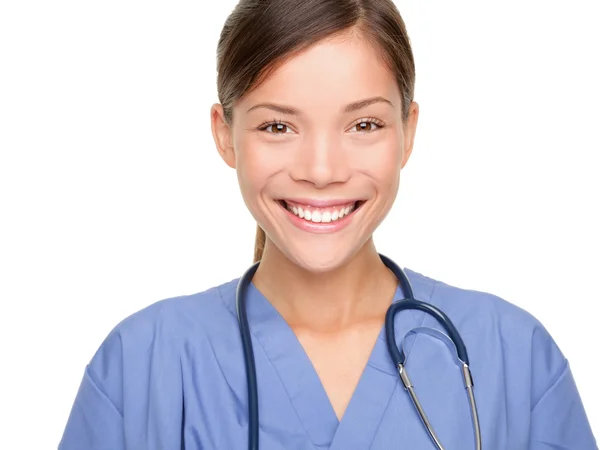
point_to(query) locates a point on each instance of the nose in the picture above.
(321, 160)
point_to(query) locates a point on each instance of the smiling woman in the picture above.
(317, 117)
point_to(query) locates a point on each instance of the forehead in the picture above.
(330, 73)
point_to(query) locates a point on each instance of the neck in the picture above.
(359, 291)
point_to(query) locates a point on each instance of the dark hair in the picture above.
(261, 34)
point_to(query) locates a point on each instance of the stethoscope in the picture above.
(452, 339)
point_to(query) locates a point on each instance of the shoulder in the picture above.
(464, 304)
(483, 311)
(181, 315)
(160, 334)
(498, 333)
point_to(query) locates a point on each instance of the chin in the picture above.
(320, 257)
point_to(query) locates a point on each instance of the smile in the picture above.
(319, 214)
(326, 217)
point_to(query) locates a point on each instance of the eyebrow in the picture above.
(288, 110)
(367, 102)
(355, 106)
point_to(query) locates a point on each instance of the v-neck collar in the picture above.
(303, 385)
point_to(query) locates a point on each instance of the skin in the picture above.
(332, 289)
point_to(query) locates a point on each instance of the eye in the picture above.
(366, 125)
(275, 127)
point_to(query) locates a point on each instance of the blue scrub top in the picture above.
(172, 376)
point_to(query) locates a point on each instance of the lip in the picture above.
(321, 227)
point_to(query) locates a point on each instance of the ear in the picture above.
(410, 129)
(222, 135)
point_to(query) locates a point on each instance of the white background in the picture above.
(110, 181)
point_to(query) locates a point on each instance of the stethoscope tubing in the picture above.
(240, 304)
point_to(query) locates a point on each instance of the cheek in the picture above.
(381, 161)
(255, 164)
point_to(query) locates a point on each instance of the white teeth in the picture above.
(317, 216)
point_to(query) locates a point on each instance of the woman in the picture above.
(317, 117)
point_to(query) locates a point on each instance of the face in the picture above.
(318, 148)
